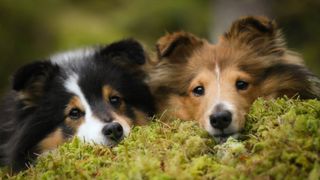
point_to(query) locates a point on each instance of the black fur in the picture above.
(31, 73)
(35, 106)
(129, 50)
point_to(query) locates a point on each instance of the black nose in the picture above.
(221, 120)
(113, 131)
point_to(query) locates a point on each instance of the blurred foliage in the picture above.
(32, 30)
(35, 29)
(300, 22)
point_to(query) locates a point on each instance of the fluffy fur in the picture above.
(215, 84)
(96, 94)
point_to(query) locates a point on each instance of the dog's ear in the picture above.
(125, 52)
(258, 32)
(177, 46)
(30, 80)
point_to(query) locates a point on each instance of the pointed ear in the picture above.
(30, 80)
(177, 46)
(128, 52)
(257, 32)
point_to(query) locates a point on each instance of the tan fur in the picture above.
(52, 141)
(75, 102)
(108, 92)
(125, 122)
(27, 100)
(141, 118)
(253, 50)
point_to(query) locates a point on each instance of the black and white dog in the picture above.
(96, 94)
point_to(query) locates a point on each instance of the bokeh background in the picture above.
(31, 30)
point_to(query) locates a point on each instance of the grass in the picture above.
(281, 141)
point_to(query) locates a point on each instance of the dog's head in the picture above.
(97, 96)
(216, 84)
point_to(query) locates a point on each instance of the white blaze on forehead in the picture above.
(207, 124)
(217, 71)
(216, 97)
(66, 57)
(91, 129)
(225, 105)
(72, 86)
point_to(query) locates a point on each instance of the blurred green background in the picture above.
(31, 30)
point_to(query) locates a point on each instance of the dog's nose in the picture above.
(221, 120)
(113, 131)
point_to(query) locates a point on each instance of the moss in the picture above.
(281, 141)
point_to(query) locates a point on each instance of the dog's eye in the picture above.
(115, 101)
(198, 91)
(241, 85)
(75, 113)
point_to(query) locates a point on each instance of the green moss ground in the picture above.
(281, 141)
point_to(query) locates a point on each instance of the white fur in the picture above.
(216, 99)
(66, 57)
(217, 71)
(226, 106)
(91, 129)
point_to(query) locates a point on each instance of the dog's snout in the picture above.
(107, 119)
(113, 131)
(221, 120)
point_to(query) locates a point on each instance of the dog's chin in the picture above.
(222, 138)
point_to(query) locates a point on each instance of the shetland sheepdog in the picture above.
(95, 94)
(215, 84)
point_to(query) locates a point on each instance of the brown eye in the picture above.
(242, 85)
(75, 114)
(115, 101)
(198, 91)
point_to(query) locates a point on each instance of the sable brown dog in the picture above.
(216, 84)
